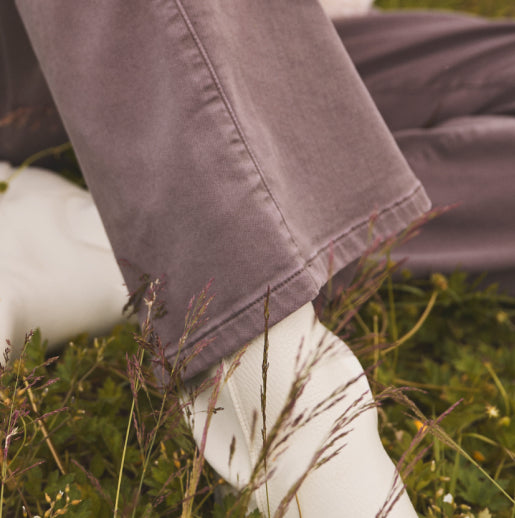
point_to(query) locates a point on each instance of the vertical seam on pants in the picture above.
(237, 125)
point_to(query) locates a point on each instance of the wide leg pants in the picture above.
(235, 140)
(445, 85)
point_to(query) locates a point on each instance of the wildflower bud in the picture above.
(162, 448)
(76, 502)
(504, 421)
(502, 317)
(59, 496)
(411, 310)
(375, 308)
(439, 281)
(47, 498)
(406, 274)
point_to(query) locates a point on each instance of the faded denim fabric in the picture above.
(222, 139)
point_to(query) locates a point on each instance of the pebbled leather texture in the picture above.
(357, 481)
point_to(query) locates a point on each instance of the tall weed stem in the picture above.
(127, 433)
(264, 371)
(417, 326)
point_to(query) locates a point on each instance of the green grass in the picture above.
(65, 422)
(464, 351)
(71, 423)
(491, 8)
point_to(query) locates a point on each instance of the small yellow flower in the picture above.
(420, 426)
(477, 455)
(502, 317)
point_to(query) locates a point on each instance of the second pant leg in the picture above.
(29, 121)
(445, 84)
(424, 67)
(468, 161)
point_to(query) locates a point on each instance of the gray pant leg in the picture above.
(231, 140)
(445, 85)
(29, 121)
(469, 161)
(424, 67)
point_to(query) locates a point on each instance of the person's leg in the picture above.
(445, 85)
(228, 140)
(210, 137)
(74, 264)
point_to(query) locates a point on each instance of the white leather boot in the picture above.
(343, 8)
(357, 481)
(57, 269)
